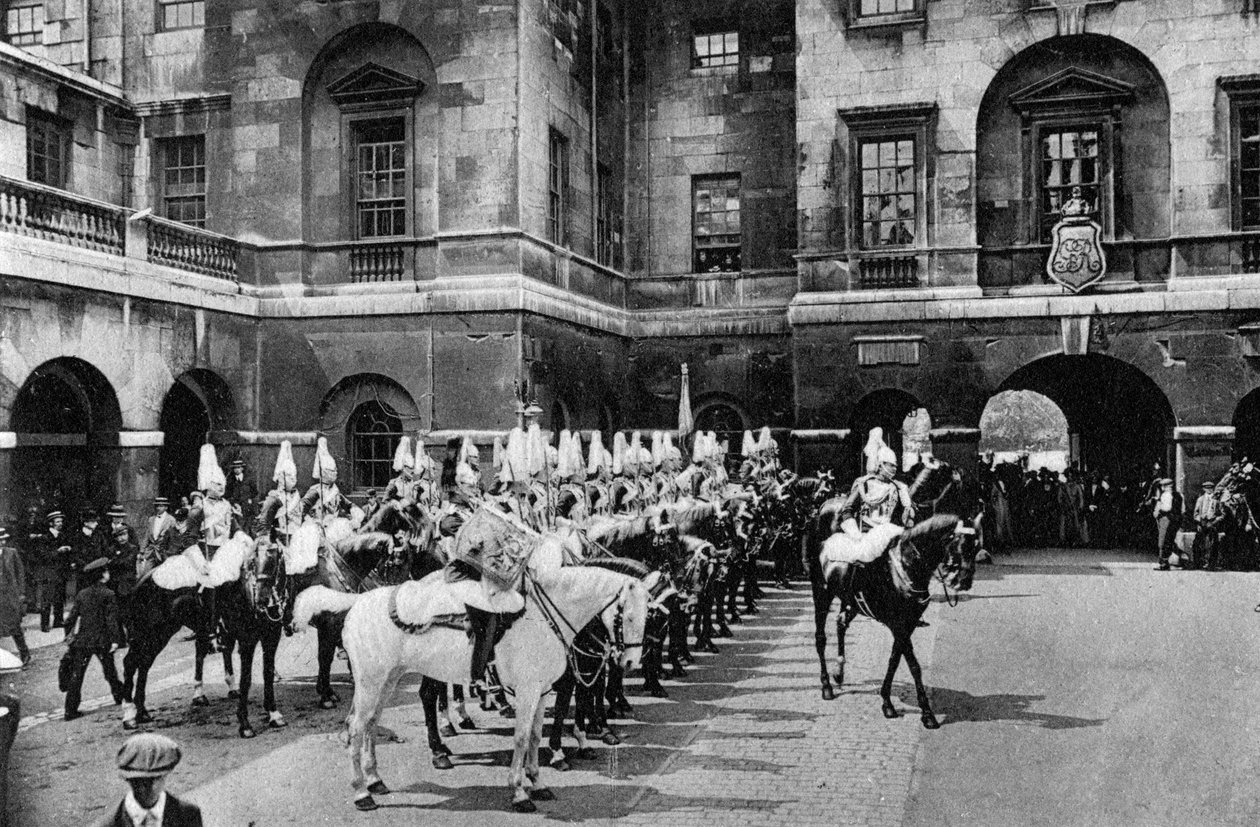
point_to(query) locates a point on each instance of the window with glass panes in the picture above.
(181, 14)
(711, 49)
(381, 178)
(1249, 165)
(874, 8)
(184, 179)
(24, 24)
(1070, 158)
(558, 189)
(47, 149)
(715, 211)
(888, 194)
(607, 221)
(375, 432)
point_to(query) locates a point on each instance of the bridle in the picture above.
(554, 616)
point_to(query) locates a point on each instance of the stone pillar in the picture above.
(1203, 452)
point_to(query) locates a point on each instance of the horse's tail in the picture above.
(319, 600)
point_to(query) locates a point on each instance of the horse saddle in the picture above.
(845, 549)
(191, 570)
(419, 605)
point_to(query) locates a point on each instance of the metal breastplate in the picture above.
(289, 515)
(216, 522)
(879, 501)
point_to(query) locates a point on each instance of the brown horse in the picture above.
(894, 590)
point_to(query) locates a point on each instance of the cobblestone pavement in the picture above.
(745, 738)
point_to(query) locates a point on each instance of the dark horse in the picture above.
(894, 590)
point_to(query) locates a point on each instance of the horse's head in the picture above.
(263, 579)
(934, 479)
(626, 620)
(926, 545)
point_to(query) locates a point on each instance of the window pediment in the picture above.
(1072, 88)
(373, 85)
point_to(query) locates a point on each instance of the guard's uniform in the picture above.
(213, 523)
(873, 501)
(282, 514)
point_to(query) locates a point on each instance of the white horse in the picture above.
(388, 633)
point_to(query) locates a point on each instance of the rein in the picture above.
(551, 612)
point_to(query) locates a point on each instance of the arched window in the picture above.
(374, 432)
(725, 422)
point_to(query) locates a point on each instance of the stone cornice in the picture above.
(26, 62)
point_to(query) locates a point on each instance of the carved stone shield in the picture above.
(1076, 256)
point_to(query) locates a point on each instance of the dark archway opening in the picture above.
(886, 408)
(199, 402)
(1247, 427)
(724, 420)
(66, 417)
(1119, 421)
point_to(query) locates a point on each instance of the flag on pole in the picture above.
(685, 423)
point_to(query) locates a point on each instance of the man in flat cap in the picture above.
(98, 634)
(144, 761)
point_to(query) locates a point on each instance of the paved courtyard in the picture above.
(1074, 688)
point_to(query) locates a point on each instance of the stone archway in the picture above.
(364, 416)
(1119, 419)
(1247, 427)
(724, 419)
(66, 419)
(198, 403)
(886, 408)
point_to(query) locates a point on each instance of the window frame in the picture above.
(860, 195)
(38, 19)
(609, 222)
(165, 146)
(697, 181)
(559, 200)
(162, 6)
(352, 123)
(1243, 93)
(380, 464)
(49, 125)
(1104, 212)
(882, 123)
(859, 20)
(725, 29)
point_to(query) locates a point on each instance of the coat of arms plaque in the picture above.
(1076, 255)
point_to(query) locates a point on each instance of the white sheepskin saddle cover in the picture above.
(184, 571)
(845, 548)
(420, 601)
(302, 555)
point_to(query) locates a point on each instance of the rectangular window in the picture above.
(1248, 152)
(714, 48)
(181, 14)
(715, 218)
(47, 149)
(873, 8)
(1069, 159)
(380, 178)
(889, 192)
(558, 189)
(607, 221)
(184, 179)
(126, 171)
(24, 24)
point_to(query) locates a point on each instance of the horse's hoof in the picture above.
(276, 723)
(930, 722)
(234, 695)
(560, 765)
(200, 700)
(447, 731)
(442, 749)
(838, 677)
(677, 671)
(327, 703)
(378, 787)
(890, 711)
(248, 732)
(130, 725)
(442, 762)
(828, 693)
(524, 806)
(366, 803)
(507, 712)
(710, 647)
(724, 632)
(143, 716)
(585, 753)
(610, 738)
(545, 794)
(467, 723)
(656, 691)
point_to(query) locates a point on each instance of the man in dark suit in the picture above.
(98, 634)
(242, 493)
(144, 761)
(52, 571)
(86, 545)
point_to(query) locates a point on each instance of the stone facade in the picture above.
(282, 318)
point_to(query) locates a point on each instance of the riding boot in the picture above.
(481, 629)
(209, 619)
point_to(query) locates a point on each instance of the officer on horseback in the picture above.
(212, 521)
(281, 513)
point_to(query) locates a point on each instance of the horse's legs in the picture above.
(201, 648)
(821, 609)
(230, 642)
(329, 636)
(527, 702)
(719, 608)
(539, 791)
(431, 693)
(885, 691)
(461, 711)
(370, 693)
(843, 618)
(750, 587)
(732, 590)
(925, 706)
(678, 650)
(247, 647)
(270, 643)
(564, 693)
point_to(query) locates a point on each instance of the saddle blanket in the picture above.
(421, 601)
(302, 554)
(845, 548)
(190, 569)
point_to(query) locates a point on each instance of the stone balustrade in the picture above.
(38, 211)
(192, 249)
(377, 261)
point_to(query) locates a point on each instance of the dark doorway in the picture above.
(1247, 427)
(66, 417)
(887, 409)
(1120, 418)
(199, 402)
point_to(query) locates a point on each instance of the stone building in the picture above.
(362, 218)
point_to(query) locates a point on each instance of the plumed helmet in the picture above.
(763, 440)
(468, 452)
(403, 458)
(596, 455)
(748, 446)
(284, 462)
(535, 450)
(887, 454)
(496, 456)
(619, 453)
(423, 466)
(658, 448)
(515, 467)
(699, 448)
(873, 451)
(325, 467)
(208, 470)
